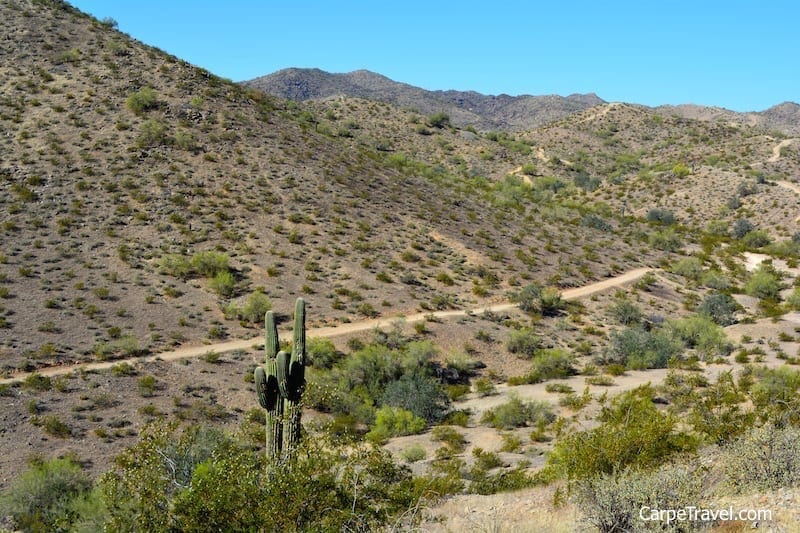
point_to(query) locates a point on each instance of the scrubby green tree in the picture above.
(631, 432)
(44, 497)
(764, 283)
(719, 307)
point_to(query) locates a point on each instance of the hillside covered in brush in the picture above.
(148, 203)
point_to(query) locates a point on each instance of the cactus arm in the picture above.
(271, 343)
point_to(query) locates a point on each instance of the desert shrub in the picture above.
(661, 216)
(775, 394)
(793, 300)
(203, 480)
(764, 459)
(518, 413)
(322, 352)
(439, 120)
(152, 133)
(741, 228)
(550, 302)
(613, 502)
(37, 382)
(450, 436)
(223, 284)
(552, 363)
(146, 385)
(756, 239)
(45, 496)
(394, 422)
(255, 307)
(420, 394)
(523, 342)
(764, 283)
(718, 413)
(413, 453)
(484, 387)
(625, 312)
(208, 264)
(636, 348)
(528, 298)
(142, 100)
(702, 334)
(719, 307)
(666, 240)
(632, 432)
(690, 268)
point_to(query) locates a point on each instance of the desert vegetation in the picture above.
(149, 207)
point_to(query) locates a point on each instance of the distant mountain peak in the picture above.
(501, 111)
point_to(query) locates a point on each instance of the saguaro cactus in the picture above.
(280, 383)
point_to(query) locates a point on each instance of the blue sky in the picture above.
(742, 55)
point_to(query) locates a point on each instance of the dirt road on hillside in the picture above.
(186, 352)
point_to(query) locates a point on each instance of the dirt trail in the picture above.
(329, 331)
(776, 150)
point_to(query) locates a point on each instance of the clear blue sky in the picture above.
(742, 55)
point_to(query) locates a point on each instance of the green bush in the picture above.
(223, 284)
(203, 480)
(394, 422)
(524, 343)
(413, 453)
(661, 216)
(322, 353)
(209, 263)
(142, 100)
(255, 307)
(613, 502)
(625, 312)
(719, 307)
(702, 334)
(46, 496)
(636, 348)
(666, 240)
(764, 283)
(517, 413)
(152, 133)
(421, 395)
(763, 460)
(631, 432)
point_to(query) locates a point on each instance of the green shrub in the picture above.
(394, 422)
(322, 352)
(613, 502)
(625, 312)
(524, 343)
(419, 394)
(413, 453)
(45, 496)
(208, 264)
(255, 307)
(450, 436)
(702, 334)
(719, 307)
(764, 283)
(223, 284)
(763, 460)
(661, 216)
(632, 432)
(146, 385)
(518, 413)
(152, 133)
(142, 100)
(636, 348)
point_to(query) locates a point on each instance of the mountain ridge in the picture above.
(502, 111)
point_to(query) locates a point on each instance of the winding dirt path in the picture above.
(776, 150)
(186, 352)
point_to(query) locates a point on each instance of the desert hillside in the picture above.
(560, 296)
